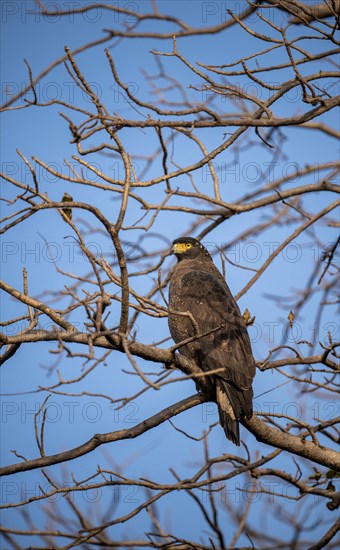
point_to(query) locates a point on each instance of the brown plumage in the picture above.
(198, 290)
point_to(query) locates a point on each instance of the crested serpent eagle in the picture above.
(200, 302)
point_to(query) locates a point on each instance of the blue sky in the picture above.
(42, 133)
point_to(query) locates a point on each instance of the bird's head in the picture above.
(187, 248)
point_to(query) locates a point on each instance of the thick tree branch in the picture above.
(99, 439)
(262, 432)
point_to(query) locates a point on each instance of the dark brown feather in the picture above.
(198, 287)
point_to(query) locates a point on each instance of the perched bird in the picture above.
(200, 302)
(67, 211)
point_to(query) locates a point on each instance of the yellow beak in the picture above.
(178, 248)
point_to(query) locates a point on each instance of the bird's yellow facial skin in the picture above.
(179, 248)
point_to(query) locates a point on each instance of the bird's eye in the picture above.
(188, 245)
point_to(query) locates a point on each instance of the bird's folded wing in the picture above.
(212, 305)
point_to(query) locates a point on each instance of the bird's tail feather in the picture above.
(228, 415)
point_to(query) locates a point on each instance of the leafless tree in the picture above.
(106, 306)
